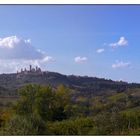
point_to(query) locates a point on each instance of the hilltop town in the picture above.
(31, 70)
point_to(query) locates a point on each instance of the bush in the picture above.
(79, 126)
(19, 125)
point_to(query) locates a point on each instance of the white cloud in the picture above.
(16, 53)
(9, 42)
(100, 50)
(121, 64)
(14, 47)
(122, 42)
(79, 59)
(48, 59)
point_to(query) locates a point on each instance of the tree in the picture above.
(63, 103)
(33, 109)
(36, 106)
(36, 100)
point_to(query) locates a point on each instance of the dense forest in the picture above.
(55, 104)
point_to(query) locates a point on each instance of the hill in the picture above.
(81, 85)
(89, 106)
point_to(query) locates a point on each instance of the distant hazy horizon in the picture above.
(93, 40)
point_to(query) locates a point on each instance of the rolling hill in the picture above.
(81, 85)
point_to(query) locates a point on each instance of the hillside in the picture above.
(89, 106)
(83, 85)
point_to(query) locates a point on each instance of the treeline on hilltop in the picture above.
(43, 110)
(81, 85)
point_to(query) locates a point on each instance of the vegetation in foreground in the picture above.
(42, 110)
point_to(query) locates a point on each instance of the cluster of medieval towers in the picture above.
(31, 70)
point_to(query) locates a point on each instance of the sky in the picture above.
(88, 40)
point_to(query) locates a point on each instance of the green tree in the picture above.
(37, 105)
(36, 100)
(63, 103)
(32, 111)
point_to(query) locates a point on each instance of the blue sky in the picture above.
(94, 40)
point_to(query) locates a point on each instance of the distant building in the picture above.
(31, 70)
